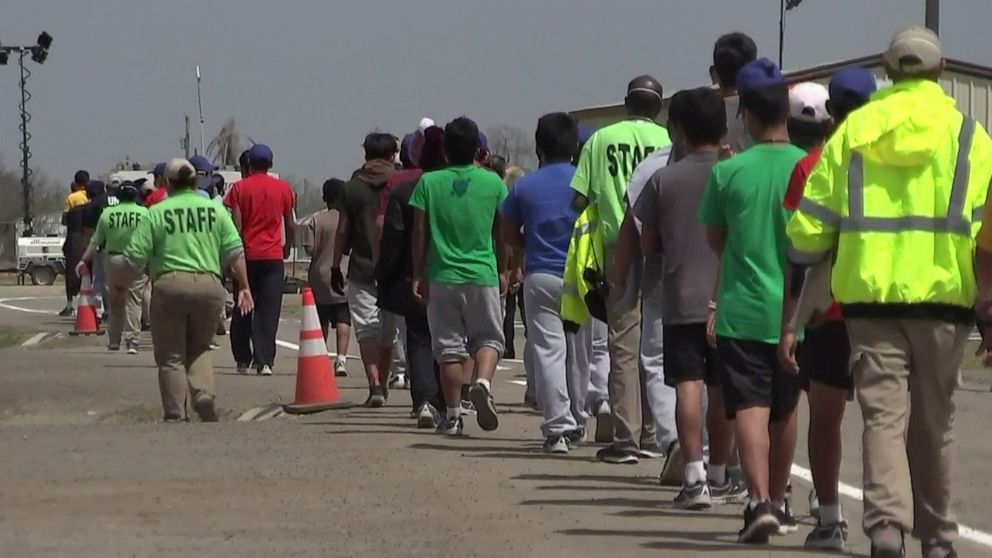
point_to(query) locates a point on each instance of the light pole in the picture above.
(39, 53)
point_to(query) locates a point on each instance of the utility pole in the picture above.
(199, 102)
(26, 171)
(933, 16)
(184, 140)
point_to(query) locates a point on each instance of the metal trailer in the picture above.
(37, 257)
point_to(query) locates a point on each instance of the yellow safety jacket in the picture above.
(896, 199)
(584, 259)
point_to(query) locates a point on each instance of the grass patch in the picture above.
(132, 414)
(10, 337)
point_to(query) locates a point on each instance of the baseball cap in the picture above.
(483, 142)
(914, 50)
(179, 169)
(424, 124)
(260, 153)
(159, 170)
(202, 164)
(852, 84)
(755, 75)
(808, 101)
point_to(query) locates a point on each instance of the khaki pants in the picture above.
(633, 422)
(125, 289)
(185, 310)
(905, 372)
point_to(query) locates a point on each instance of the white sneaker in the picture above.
(398, 381)
(265, 370)
(340, 367)
(427, 416)
(243, 369)
(132, 348)
(556, 445)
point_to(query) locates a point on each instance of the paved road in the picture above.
(87, 471)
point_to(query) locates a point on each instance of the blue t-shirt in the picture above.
(541, 203)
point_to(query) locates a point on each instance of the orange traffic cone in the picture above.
(86, 322)
(316, 388)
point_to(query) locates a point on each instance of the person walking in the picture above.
(895, 201)
(262, 207)
(75, 243)
(605, 167)
(319, 241)
(186, 241)
(125, 288)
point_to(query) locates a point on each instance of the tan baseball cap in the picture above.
(179, 170)
(914, 50)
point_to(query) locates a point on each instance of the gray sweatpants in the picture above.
(463, 319)
(661, 398)
(597, 338)
(561, 372)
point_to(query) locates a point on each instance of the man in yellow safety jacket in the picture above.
(896, 200)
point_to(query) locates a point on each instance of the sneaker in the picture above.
(243, 368)
(377, 397)
(132, 347)
(67, 312)
(485, 407)
(340, 368)
(450, 426)
(556, 445)
(827, 537)
(205, 409)
(173, 419)
(938, 549)
(397, 381)
(650, 450)
(426, 416)
(671, 472)
(214, 347)
(887, 541)
(265, 370)
(576, 437)
(694, 497)
(221, 329)
(604, 423)
(787, 523)
(814, 505)
(113, 347)
(760, 522)
(467, 408)
(730, 492)
(617, 455)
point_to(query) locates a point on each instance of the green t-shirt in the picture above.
(116, 226)
(460, 204)
(607, 162)
(185, 232)
(744, 196)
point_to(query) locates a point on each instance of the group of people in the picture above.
(676, 279)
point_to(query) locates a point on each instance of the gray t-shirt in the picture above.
(670, 206)
(320, 235)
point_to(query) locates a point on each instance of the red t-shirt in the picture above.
(794, 195)
(402, 177)
(263, 200)
(156, 196)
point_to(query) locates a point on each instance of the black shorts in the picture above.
(688, 357)
(824, 356)
(334, 314)
(751, 377)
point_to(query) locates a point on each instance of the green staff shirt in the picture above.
(185, 232)
(460, 204)
(607, 162)
(117, 225)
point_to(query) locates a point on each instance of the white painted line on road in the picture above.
(35, 339)
(518, 382)
(5, 303)
(965, 532)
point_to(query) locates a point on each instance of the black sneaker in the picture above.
(618, 455)
(576, 437)
(787, 523)
(205, 409)
(485, 407)
(694, 497)
(730, 492)
(827, 537)
(67, 312)
(556, 445)
(650, 450)
(760, 522)
(377, 397)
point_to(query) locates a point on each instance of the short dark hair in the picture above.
(461, 141)
(81, 178)
(676, 107)
(703, 117)
(768, 104)
(378, 145)
(498, 164)
(731, 52)
(332, 189)
(557, 136)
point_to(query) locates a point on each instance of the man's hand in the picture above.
(245, 302)
(81, 269)
(504, 283)
(787, 352)
(337, 280)
(285, 252)
(726, 152)
(711, 326)
(421, 293)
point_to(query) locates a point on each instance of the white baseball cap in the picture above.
(425, 123)
(808, 101)
(914, 50)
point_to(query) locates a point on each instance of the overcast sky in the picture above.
(311, 77)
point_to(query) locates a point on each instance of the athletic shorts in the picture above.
(463, 319)
(371, 322)
(334, 314)
(751, 377)
(688, 356)
(824, 356)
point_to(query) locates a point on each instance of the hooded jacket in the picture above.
(897, 196)
(359, 203)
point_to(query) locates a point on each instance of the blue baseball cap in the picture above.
(852, 84)
(159, 171)
(755, 75)
(483, 141)
(202, 164)
(260, 153)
